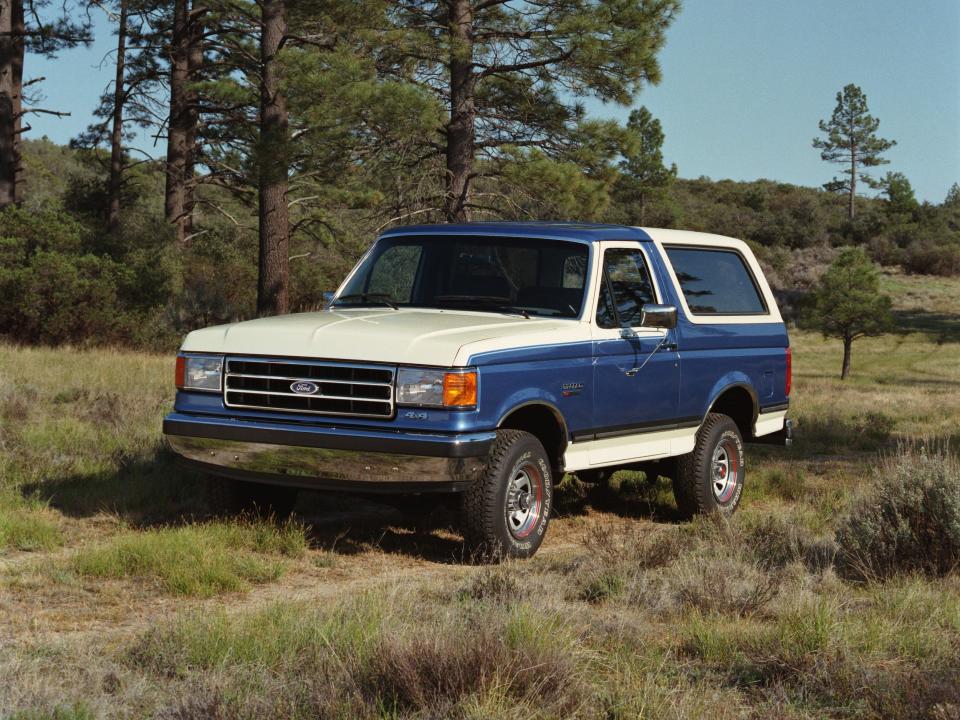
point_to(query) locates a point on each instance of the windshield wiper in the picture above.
(486, 302)
(370, 298)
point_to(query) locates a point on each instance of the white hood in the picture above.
(415, 336)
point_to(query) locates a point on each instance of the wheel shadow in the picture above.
(627, 494)
(421, 526)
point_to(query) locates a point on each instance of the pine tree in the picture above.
(851, 141)
(953, 196)
(508, 73)
(901, 199)
(27, 26)
(185, 32)
(848, 304)
(643, 174)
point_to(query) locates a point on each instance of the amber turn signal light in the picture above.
(460, 389)
(179, 378)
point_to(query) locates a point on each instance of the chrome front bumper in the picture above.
(327, 457)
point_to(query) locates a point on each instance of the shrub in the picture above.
(928, 258)
(909, 523)
(497, 584)
(604, 586)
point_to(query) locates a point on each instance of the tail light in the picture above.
(788, 383)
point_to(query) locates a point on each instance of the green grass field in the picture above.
(123, 595)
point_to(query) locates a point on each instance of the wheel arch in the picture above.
(737, 400)
(544, 421)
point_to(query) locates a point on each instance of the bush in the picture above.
(928, 258)
(909, 524)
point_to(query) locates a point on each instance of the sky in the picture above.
(744, 84)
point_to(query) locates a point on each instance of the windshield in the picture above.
(526, 276)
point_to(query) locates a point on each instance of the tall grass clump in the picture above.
(909, 522)
(376, 656)
(201, 559)
(26, 529)
(77, 711)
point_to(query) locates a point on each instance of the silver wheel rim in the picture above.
(524, 501)
(724, 472)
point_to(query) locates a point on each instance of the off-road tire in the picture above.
(240, 497)
(492, 505)
(699, 486)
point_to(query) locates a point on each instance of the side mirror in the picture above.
(658, 316)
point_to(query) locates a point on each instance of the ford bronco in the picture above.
(488, 359)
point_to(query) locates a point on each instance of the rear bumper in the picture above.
(783, 437)
(326, 457)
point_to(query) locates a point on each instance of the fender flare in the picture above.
(743, 385)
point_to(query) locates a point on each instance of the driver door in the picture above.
(636, 369)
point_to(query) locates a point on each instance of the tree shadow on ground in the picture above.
(941, 327)
(147, 491)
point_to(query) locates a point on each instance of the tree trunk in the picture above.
(11, 104)
(192, 103)
(461, 130)
(274, 280)
(178, 123)
(116, 138)
(847, 346)
(853, 181)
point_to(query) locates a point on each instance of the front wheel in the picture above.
(505, 513)
(710, 479)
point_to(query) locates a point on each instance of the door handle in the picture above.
(670, 347)
(662, 345)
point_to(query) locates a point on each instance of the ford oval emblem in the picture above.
(301, 387)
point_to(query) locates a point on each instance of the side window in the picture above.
(716, 282)
(627, 288)
(395, 272)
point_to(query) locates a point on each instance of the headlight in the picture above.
(199, 372)
(437, 388)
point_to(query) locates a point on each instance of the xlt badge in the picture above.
(570, 389)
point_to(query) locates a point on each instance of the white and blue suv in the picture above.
(488, 359)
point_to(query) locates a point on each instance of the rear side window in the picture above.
(716, 282)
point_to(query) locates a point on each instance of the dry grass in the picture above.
(119, 597)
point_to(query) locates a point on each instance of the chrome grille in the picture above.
(342, 389)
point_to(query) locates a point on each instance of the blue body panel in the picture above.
(584, 382)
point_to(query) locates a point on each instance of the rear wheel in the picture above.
(261, 499)
(505, 513)
(710, 479)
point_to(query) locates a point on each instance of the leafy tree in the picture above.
(643, 174)
(851, 140)
(507, 72)
(848, 304)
